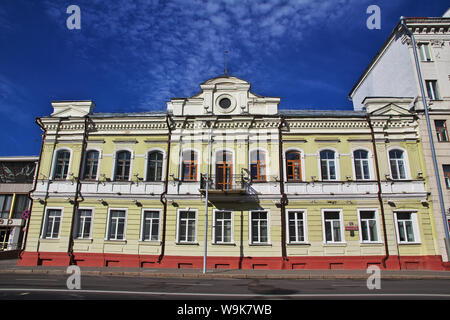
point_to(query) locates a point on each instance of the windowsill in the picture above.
(335, 244)
(368, 244)
(115, 241)
(298, 244)
(83, 240)
(409, 243)
(231, 244)
(48, 239)
(187, 243)
(150, 242)
(260, 244)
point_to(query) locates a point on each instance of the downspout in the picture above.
(430, 136)
(48, 182)
(163, 198)
(76, 202)
(41, 125)
(379, 194)
(283, 201)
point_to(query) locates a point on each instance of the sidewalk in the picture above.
(10, 266)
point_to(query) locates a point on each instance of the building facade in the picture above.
(16, 182)
(393, 74)
(286, 189)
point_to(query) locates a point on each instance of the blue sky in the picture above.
(132, 56)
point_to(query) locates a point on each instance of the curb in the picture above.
(231, 276)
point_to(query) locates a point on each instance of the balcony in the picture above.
(219, 184)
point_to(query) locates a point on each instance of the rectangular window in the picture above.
(5, 205)
(406, 227)
(424, 51)
(52, 224)
(296, 225)
(223, 227)
(117, 219)
(83, 224)
(21, 203)
(432, 89)
(187, 226)
(368, 226)
(446, 168)
(332, 222)
(150, 225)
(259, 227)
(441, 130)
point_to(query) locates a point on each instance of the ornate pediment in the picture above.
(72, 108)
(388, 106)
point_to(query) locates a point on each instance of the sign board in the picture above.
(351, 227)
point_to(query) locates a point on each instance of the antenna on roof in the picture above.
(226, 67)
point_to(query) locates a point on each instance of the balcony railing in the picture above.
(227, 183)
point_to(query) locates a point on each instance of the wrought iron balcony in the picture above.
(224, 183)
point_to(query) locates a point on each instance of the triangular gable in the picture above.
(390, 109)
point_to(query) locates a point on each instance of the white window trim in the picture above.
(434, 90)
(213, 240)
(92, 222)
(305, 227)
(250, 241)
(420, 47)
(141, 238)
(163, 170)
(416, 229)
(336, 163)
(369, 160)
(341, 222)
(406, 163)
(178, 227)
(377, 224)
(233, 162)
(180, 169)
(124, 227)
(267, 163)
(98, 164)
(44, 225)
(302, 163)
(52, 176)
(113, 173)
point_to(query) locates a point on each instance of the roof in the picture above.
(322, 113)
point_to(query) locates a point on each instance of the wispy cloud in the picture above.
(169, 47)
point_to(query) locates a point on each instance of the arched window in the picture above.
(154, 166)
(293, 166)
(224, 170)
(361, 161)
(258, 165)
(91, 165)
(189, 166)
(328, 165)
(61, 164)
(123, 164)
(397, 163)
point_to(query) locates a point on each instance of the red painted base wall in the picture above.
(178, 262)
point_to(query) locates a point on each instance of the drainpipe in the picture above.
(41, 125)
(163, 198)
(206, 197)
(379, 194)
(48, 182)
(430, 136)
(283, 201)
(76, 202)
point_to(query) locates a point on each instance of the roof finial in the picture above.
(226, 67)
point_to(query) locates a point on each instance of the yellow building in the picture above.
(286, 189)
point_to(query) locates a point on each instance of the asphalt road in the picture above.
(54, 287)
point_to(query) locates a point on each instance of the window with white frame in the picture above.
(259, 230)
(123, 166)
(62, 160)
(296, 226)
(432, 89)
(83, 223)
(424, 51)
(91, 165)
(52, 223)
(187, 223)
(154, 166)
(368, 226)
(361, 161)
(150, 225)
(223, 226)
(333, 226)
(328, 165)
(406, 227)
(397, 164)
(116, 225)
